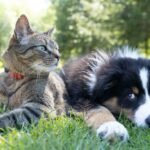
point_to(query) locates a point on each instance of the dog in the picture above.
(102, 84)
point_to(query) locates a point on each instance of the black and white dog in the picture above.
(101, 84)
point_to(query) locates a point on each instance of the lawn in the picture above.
(69, 134)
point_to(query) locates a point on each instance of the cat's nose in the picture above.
(57, 56)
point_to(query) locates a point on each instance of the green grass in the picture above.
(70, 134)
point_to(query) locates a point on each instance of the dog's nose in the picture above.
(148, 120)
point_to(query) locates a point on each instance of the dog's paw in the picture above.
(113, 130)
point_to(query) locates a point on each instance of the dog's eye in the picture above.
(131, 96)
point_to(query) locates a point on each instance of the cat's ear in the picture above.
(22, 28)
(50, 32)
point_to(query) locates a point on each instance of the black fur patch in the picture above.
(97, 77)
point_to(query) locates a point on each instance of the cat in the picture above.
(30, 88)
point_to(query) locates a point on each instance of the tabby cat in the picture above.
(30, 89)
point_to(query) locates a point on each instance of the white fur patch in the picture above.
(128, 52)
(96, 60)
(91, 80)
(113, 129)
(143, 111)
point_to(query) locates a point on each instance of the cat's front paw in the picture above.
(113, 131)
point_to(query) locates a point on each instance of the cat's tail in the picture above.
(28, 113)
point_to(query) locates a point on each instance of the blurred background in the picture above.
(82, 25)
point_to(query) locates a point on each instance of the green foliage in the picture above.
(36, 13)
(67, 32)
(134, 22)
(83, 25)
(4, 29)
(70, 134)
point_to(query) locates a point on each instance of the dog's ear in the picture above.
(107, 82)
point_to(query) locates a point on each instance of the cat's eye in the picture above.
(131, 96)
(42, 48)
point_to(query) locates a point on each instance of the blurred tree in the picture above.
(67, 32)
(5, 27)
(11, 10)
(82, 25)
(133, 20)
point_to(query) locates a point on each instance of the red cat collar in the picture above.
(16, 76)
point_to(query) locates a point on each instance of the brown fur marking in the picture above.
(112, 105)
(135, 90)
(98, 116)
